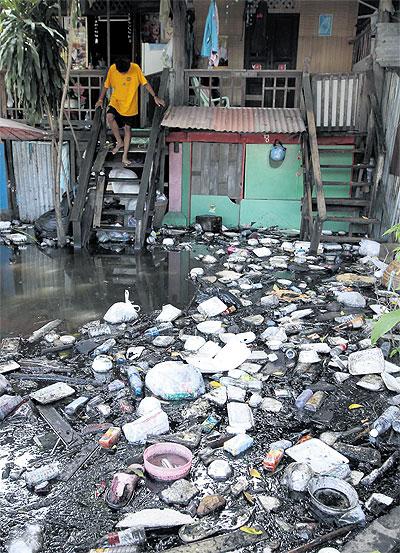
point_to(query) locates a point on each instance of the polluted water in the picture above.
(220, 392)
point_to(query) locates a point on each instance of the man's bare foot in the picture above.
(126, 162)
(117, 148)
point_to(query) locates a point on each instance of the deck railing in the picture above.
(225, 87)
(337, 101)
(84, 91)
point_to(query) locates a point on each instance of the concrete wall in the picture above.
(328, 54)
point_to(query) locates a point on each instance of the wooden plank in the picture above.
(142, 215)
(84, 177)
(223, 168)
(312, 131)
(206, 170)
(346, 101)
(98, 206)
(196, 168)
(330, 103)
(59, 426)
(387, 44)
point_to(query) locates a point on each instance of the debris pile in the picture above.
(259, 418)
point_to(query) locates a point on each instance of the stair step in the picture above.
(340, 183)
(356, 220)
(123, 179)
(120, 194)
(113, 228)
(114, 211)
(117, 164)
(344, 202)
(339, 150)
(345, 166)
(341, 239)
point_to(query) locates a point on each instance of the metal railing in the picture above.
(225, 87)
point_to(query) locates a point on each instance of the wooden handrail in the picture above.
(315, 163)
(142, 211)
(312, 133)
(84, 177)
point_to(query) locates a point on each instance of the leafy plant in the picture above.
(395, 229)
(31, 44)
(386, 322)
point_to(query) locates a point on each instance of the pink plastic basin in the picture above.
(177, 455)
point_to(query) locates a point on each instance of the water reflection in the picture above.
(38, 286)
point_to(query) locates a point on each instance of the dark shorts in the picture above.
(130, 120)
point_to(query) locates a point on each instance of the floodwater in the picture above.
(40, 285)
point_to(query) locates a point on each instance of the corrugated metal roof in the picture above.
(14, 130)
(243, 120)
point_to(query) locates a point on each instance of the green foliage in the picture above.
(385, 323)
(31, 44)
(395, 229)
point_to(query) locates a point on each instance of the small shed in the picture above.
(219, 164)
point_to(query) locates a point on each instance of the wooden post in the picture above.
(385, 10)
(108, 35)
(179, 50)
(3, 96)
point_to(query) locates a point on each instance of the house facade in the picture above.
(307, 73)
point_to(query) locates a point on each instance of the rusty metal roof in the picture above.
(14, 130)
(242, 120)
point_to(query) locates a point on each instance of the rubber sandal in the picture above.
(122, 487)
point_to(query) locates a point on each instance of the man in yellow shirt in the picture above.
(124, 78)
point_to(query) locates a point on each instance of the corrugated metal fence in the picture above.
(34, 177)
(388, 200)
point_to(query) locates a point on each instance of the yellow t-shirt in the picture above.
(124, 97)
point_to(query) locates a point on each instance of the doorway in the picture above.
(271, 41)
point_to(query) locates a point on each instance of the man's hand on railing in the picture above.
(159, 102)
(98, 104)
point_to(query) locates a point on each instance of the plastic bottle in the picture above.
(116, 549)
(120, 358)
(302, 398)
(135, 381)
(384, 422)
(155, 331)
(130, 536)
(31, 541)
(396, 424)
(37, 476)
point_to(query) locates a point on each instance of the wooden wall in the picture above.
(387, 205)
(328, 54)
(230, 25)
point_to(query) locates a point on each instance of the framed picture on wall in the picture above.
(325, 25)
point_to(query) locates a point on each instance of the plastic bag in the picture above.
(174, 380)
(122, 312)
(46, 225)
(113, 236)
(369, 247)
